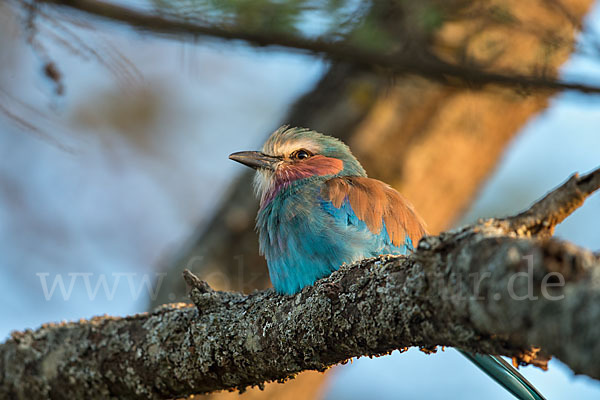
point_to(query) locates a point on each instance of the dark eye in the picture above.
(301, 154)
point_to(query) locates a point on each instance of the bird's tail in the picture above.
(503, 373)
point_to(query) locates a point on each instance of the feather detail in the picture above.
(315, 166)
(376, 203)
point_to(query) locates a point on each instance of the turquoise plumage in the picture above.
(318, 210)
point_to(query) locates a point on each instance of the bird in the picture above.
(319, 210)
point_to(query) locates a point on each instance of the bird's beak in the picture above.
(255, 159)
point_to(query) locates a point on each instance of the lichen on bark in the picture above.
(231, 341)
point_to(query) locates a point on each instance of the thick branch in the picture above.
(405, 62)
(476, 288)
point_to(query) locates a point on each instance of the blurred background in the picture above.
(114, 173)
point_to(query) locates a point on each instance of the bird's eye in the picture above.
(301, 154)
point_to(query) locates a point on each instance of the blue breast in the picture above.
(305, 238)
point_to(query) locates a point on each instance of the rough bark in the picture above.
(458, 289)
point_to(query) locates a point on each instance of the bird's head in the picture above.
(293, 154)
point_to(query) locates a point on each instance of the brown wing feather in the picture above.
(336, 191)
(375, 202)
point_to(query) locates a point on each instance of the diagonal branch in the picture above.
(543, 216)
(409, 62)
(480, 288)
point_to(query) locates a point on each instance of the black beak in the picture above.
(255, 159)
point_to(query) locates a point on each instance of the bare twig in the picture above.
(405, 62)
(541, 218)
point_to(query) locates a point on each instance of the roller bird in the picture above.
(319, 210)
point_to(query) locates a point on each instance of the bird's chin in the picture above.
(263, 181)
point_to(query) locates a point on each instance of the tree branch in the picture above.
(481, 288)
(541, 218)
(421, 63)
